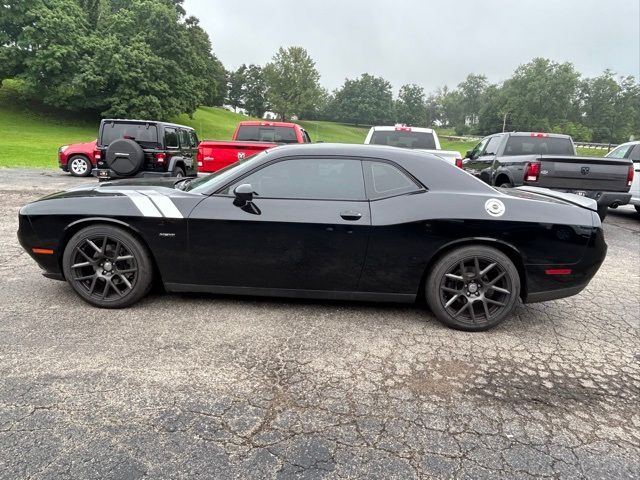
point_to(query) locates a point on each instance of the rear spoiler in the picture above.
(571, 198)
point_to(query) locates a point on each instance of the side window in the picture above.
(385, 180)
(322, 179)
(305, 137)
(193, 139)
(171, 138)
(478, 149)
(635, 154)
(492, 146)
(184, 138)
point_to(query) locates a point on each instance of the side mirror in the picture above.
(243, 193)
(468, 154)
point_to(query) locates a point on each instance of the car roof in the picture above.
(155, 122)
(539, 134)
(267, 123)
(389, 128)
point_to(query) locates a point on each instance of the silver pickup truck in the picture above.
(549, 160)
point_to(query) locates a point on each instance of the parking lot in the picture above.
(203, 386)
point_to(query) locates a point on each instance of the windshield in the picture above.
(142, 133)
(201, 184)
(266, 134)
(404, 139)
(521, 145)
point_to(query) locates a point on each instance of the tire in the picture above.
(505, 185)
(79, 166)
(111, 273)
(492, 291)
(637, 207)
(177, 172)
(602, 212)
(125, 157)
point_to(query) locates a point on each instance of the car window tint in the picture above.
(184, 138)
(523, 145)
(635, 154)
(171, 138)
(619, 152)
(492, 146)
(404, 138)
(326, 179)
(267, 134)
(385, 180)
(144, 134)
(477, 150)
(193, 138)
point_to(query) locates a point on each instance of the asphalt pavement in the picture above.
(204, 386)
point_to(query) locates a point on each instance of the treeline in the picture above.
(148, 59)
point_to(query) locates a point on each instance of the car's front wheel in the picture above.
(79, 166)
(473, 288)
(107, 266)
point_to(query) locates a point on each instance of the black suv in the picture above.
(141, 148)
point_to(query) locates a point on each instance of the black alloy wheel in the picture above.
(473, 288)
(107, 267)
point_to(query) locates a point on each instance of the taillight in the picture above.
(532, 172)
(630, 176)
(160, 157)
(539, 134)
(96, 154)
(199, 156)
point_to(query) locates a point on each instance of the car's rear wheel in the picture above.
(473, 288)
(107, 266)
(79, 166)
(177, 172)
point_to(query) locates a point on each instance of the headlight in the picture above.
(63, 148)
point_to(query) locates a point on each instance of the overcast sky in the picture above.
(431, 43)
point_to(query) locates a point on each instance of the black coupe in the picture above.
(357, 222)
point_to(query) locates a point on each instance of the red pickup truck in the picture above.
(249, 138)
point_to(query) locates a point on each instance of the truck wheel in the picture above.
(79, 166)
(473, 288)
(602, 212)
(505, 184)
(107, 266)
(177, 172)
(637, 207)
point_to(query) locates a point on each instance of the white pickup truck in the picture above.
(424, 139)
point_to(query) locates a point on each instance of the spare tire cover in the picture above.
(124, 156)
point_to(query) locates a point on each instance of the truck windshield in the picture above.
(520, 145)
(142, 133)
(404, 139)
(259, 133)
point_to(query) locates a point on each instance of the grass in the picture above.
(30, 135)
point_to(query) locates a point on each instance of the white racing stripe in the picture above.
(142, 203)
(163, 203)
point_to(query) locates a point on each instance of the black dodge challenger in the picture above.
(328, 221)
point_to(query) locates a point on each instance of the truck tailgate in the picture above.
(582, 173)
(214, 155)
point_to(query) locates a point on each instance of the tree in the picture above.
(236, 90)
(135, 58)
(255, 91)
(292, 82)
(366, 100)
(410, 106)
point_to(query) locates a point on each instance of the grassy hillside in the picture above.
(30, 135)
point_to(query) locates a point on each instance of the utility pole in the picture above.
(504, 121)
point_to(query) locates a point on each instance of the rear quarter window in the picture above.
(386, 180)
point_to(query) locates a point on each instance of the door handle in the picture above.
(351, 215)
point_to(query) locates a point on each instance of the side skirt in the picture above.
(292, 293)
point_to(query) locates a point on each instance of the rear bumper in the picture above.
(108, 174)
(605, 199)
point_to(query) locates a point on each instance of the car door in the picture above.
(306, 228)
(472, 164)
(486, 158)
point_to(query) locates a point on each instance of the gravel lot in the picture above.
(196, 386)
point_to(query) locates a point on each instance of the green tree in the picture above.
(255, 91)
(366, 100)
(236, 90)
(292, 82)
(410, 106)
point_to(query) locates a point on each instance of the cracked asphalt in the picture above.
(197, 386)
